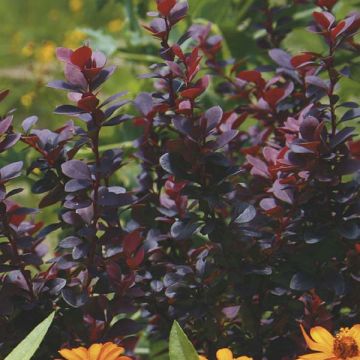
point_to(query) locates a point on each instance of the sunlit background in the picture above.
(31, 31)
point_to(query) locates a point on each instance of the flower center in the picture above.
(345, 346)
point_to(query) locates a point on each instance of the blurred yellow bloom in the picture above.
(344, 346)
(107, 351)
(47, 52)
(54, 14)
(226, 354)
(74, 38)
(16, 41)
(115, 25)
(27, 99)
(28, 49)
(76, 5)
(36, 171)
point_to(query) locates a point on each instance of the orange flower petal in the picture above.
(71, 355)
(94, 351)
(224, 354)
(114, 354)
(202, 357)
(322, 336)
(107, 350)
(244, 358)
(355, 332)
(314, 345)
(316, 356)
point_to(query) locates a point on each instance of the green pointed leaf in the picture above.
(180, 347)
(27, 348)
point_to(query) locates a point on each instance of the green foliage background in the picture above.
(31, 30)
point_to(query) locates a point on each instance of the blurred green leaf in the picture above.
(101, 41)
(27, 348)
(180, 347)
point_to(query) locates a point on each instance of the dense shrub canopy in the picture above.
(244, 218)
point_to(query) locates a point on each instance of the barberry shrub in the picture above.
(244, 219)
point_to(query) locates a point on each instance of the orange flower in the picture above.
(107, 351)
(344, 346)
(226, 354)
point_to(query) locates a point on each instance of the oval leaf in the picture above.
(76, 169)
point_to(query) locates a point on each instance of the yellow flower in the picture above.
(76, 5)
(226, 354)
(74, 38)
(344, 346)
(28, 49)
(47, 52)
(27, 99)
(115, 25)
(107, 351)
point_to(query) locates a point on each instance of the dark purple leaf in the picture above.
(283, 192)
(349, 230)
(246, 215)
(173, 164)
(5, 124)
(56, 285)
(178, 12)
(29, 122)
(349, 104)
(70, 242)
(118, 119)
(74, 185)
(184, 229)
(268, 204)
(114, 97)
(348, 166)
(76, 169)
(281, 57)
(231, 311)
(316, 81)
(68, 110)
(10, 171)
(75, 76)
(74, 297)
(103, 75)
(6, 268)
(86, 214)
(9, 141)
(115, 198)
(20, 211)
(308, 127)
(47, 230)
(80, 251)
(183, 124)
(124, 327)
(225, 138)
(342, 136)
(156, 285)
(62, 85)
(14, 192)
(110, 110)
(213, 117)
(298, 149)
(351, 114)
(302, 282)
(144, 103)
